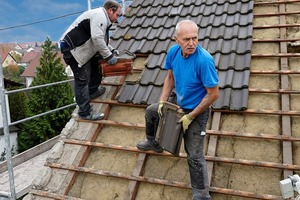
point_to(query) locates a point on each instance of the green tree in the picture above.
(17, 105)
(45, 99)
(13, 72)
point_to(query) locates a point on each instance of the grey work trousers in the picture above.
(194, 140)
(87, 80)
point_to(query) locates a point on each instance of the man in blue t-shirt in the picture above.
(191, 71)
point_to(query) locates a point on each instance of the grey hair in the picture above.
(178, 25)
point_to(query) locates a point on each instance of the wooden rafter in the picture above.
(285, 98)
(276, 2)
(160, 181)
(183, 155)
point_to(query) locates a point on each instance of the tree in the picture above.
(45, 99)
(13, 73)
(17, 105)
(13, 69)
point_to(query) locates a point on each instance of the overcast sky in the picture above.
(19, 12)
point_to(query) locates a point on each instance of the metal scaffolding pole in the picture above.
(12, 194)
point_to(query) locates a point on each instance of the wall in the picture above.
(29, 81)
(13, 142)
(13, 134)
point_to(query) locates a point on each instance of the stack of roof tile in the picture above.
(225, 30)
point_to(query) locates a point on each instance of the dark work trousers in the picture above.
(194, 139)
(87, 80)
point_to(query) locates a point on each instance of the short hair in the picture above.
(112, 4)
(178, 25)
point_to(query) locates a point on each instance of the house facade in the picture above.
(9, 60)
(13, 136)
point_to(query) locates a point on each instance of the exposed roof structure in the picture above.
(247, 151)
(225, 30)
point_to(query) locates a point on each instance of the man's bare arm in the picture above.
(209, 99)
(168, 86)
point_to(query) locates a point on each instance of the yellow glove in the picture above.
(186, 120)
(160, 106)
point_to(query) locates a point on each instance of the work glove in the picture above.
(186, 120)
(113, 60)
(159, 110)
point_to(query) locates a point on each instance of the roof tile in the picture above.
(153, 77)
(225, 31)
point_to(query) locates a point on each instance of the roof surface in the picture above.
(225, 31)
(242, 158)
(29, 56)
(30, 70)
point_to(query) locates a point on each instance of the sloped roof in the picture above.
(29, 56)
(3, 56)
(10, 59)
(31, 68)
(7, 46)
(225, 31)
(258, 180)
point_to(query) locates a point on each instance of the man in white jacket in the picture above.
(83, 44)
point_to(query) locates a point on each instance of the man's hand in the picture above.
(160, 106)
(113, 60)
(115, 52)
(186, 120)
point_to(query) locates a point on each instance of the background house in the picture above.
(28, 57)
(9, 60)
(4, 51)
(13, 135)
(30, 71)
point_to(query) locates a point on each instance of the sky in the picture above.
(15, 13)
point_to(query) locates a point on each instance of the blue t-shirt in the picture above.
(192, 75)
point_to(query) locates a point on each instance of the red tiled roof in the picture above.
(31, 68)
(9, 46)
(29, 56)
(3, 56)
(5, 49)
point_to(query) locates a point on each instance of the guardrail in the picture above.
(5, 110)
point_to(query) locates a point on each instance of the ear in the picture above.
(175, 39)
